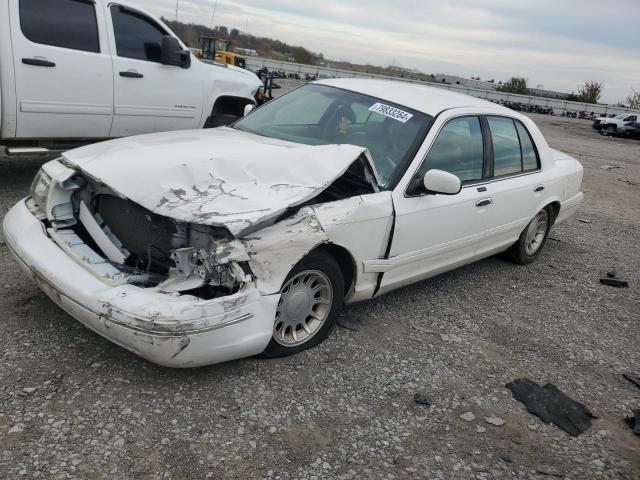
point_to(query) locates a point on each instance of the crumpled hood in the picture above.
(219, 177)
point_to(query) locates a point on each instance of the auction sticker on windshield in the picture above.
(391, 112)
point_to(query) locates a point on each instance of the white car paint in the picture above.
(240, 183)
(85, 97)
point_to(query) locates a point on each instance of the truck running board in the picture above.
(13, 151)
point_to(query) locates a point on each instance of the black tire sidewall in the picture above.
(519, 251)
(326, 264)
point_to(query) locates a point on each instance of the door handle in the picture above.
(129, 74)
(38, 62)
(484, 202)
(539, 188)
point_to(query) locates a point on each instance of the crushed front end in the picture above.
(175, 293)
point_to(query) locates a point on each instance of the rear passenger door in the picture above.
(516, 185)
(64, 82)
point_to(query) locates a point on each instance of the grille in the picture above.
(140, 231)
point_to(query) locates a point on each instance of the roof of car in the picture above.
(429, 100)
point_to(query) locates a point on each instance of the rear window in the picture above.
(61, 23)
(513, 148)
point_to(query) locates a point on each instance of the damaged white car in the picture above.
(196, 247)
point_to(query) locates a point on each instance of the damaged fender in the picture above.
(361, 225)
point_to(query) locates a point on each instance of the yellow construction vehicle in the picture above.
(216, 50)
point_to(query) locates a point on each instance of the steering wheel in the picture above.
(336, 126)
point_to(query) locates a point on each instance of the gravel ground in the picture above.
(73, 405)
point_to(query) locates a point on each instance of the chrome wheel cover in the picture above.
(536, 231)
(304, 306)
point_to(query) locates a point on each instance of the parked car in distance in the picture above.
(630, 130)
(610, 125)
(73, 71)
(196, 247)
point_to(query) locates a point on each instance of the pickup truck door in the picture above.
(435, 233)
(149, 97)
(63, 69)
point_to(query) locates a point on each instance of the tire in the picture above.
(317, 267)
(522, 252)
(611, 129)
(220, 120)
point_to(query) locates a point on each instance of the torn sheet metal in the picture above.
(219, 177)
(275, 250)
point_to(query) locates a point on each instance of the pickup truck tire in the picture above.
(532, 239)
(220, 120)
(611, 129)
(311, 298)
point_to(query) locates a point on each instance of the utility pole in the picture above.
(213, 17)
(177, 6)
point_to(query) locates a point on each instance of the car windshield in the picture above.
(321, 115)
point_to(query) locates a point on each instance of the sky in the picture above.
(555, 43)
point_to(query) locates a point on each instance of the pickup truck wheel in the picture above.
(532, 240)
(220, 120)
(611, 129)
(310, 300)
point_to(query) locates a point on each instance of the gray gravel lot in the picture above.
(73, 405)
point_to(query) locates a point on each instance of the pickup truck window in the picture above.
(63, 23)
(137, 36)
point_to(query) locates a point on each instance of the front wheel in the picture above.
(308, 307)
(532, 240)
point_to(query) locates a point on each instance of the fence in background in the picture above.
(559, 106)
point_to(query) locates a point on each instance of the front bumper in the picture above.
(170, 330)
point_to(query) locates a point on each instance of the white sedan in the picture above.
(196, 247)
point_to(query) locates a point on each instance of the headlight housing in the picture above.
(40, 189)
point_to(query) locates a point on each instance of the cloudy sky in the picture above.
(556, 43)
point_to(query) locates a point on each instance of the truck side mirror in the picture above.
(173, 53)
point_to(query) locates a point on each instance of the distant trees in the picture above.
(590, 92)
(267, 47)
(514, 85)
(634, 99)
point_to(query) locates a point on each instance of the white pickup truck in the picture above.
(77, 71)
(611, 125)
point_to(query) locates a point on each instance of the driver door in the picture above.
(435, 233)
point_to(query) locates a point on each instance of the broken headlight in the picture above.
(40, 191)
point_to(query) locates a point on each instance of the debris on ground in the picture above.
(613, 280)
(634, 421)
(628, 182)
(584, 220)
(469, 416)
(349, 322)
(549, 471)
(551, 405)
(609, 167)
(422, 399)
(495, 421)
(633, 378)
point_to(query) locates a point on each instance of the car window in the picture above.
(507, 158)
(529, 154)
(63, 23)
(137, 36)
(458, 149)
(631, 118)
(303, 110)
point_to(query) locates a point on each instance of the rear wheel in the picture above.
(309, 303)
(532, 240)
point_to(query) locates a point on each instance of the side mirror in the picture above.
(248, 108)
(173, 53)
(441, 182)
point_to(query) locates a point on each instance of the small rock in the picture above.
(598, 463)
(506, 458)
(550, 471)
(29, 390)
(95, 365)
(469, 417)
(480, 429)
(497, 421)
(584, 220)
(422, 399)
(17, 428)
(609, 167)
